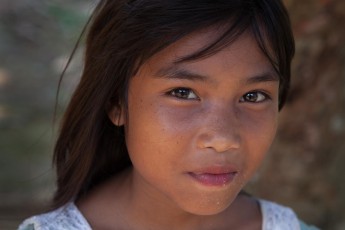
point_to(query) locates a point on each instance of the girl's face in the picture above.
(197, 131)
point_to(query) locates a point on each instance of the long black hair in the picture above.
(122, 35)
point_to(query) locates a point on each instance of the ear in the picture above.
(116, 115)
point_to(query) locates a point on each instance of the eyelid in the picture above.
(172, 91)
(265, 94)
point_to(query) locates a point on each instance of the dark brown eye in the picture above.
(183, 93)
(254, 97)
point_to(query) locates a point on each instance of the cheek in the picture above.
(260, 132)
(153, 134)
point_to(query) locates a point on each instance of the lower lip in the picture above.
(209, 179)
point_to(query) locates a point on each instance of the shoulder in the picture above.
(66, 217)
(276, 216)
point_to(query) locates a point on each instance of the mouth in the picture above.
(214, 176)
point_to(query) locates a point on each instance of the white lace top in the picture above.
(275, 217)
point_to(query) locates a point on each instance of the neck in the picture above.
(147, 208)
(128, 203)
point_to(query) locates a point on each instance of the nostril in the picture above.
(219, 142)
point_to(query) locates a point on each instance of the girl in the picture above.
(176, 109)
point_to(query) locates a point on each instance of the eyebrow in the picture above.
(264, 77)
(173, 72)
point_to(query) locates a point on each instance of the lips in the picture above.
(214, 176)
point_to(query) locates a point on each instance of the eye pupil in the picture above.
(251, 97)
(182, 93)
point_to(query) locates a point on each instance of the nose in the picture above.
(220, 131)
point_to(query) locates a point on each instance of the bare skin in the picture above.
(103, 212)
(196, 132)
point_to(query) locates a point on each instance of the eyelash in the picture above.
(178, 93)
(184, 94)
(264, 96)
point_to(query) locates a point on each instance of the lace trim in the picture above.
(66, 217)
(277, 217)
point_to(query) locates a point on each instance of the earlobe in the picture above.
(116, 115)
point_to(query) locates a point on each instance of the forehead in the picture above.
(206, 42)
(240, 60)
(244, 49)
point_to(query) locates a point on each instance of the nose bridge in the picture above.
(222, 129)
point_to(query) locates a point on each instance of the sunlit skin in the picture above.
(196, 132)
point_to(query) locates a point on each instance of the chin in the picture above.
(210, 210)
(209, 206)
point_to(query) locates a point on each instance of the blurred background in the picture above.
(306, 165)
